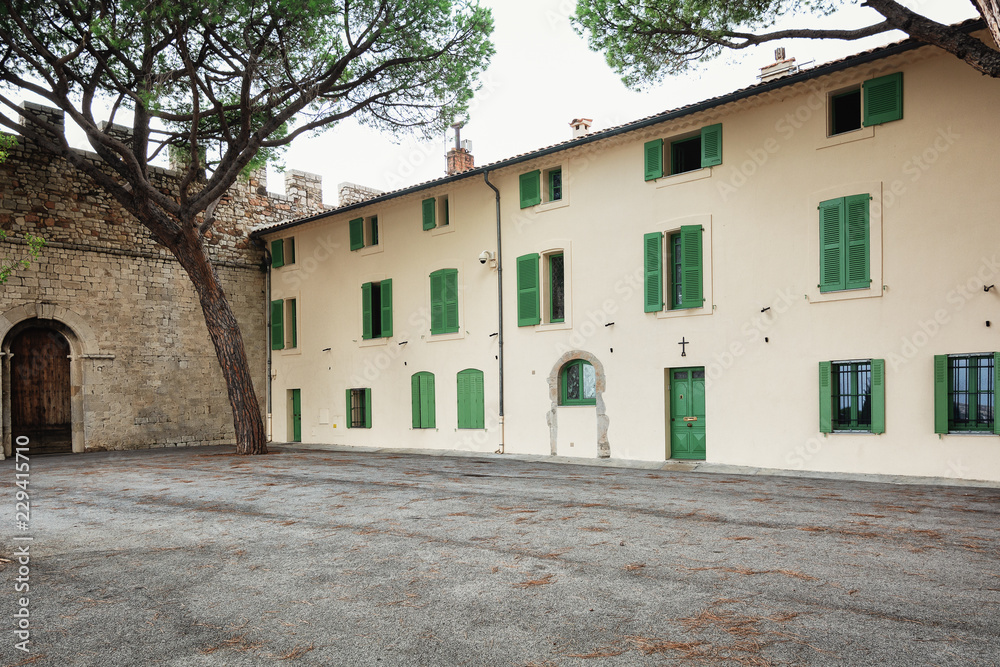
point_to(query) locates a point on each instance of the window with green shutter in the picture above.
(528, 293)
(277, 325)
(277, 253)
(652, 258)
(711, 145)
(686, 153)
(422, 399)
(289, 250)
(883, 99)
(471, 406)
(852, 396)
(444, 301)
(555, 184)
(530, 186)
(359, 408)
(844, 243)
(691, 267)
(376, 310)
(557, 287)
(965, 393)
(428, 208)
(357, 229)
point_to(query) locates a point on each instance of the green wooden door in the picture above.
(296, 398)
(687, 413)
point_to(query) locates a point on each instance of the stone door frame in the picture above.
(82, 344)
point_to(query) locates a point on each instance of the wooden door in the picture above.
(40, 390)
(295, 398)
(687, 413)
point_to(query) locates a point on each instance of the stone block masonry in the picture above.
(145, 370)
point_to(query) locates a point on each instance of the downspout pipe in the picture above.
(266, 267)
(486, 178)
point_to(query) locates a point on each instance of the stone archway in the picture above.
(603, 446)
(59, 330)
(40, 388)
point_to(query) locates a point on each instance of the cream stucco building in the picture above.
(797, 275)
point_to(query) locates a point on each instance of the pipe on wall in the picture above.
(486, 178)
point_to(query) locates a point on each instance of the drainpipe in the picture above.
(267, 325)
(486, 177)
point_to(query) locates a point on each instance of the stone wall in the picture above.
(147, 371)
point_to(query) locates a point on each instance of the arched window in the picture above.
(577, 383)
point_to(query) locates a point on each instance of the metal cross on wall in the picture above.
(683, 345)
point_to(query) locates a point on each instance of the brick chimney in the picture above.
(581, 126)
(460, 156)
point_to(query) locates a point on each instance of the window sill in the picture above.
(990, 433)
(373, 342)
(455, 335)
(370, 250)
(553, 326)
(578, 405)
(289, 351)
(844, 295)
(443, 229)
(686, 177)
(847, 431)
(683, 312)
(847, 137)
(551, 205)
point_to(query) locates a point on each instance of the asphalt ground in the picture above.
(198, 557)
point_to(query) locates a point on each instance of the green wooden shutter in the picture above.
(277, 253)
(349, 414)
(529, 309)
(878, 395)
(464, 400)
(825, 397)
(386, 287)
(296, 415)
(366, 311)
(691, 267)
(427, 207)
(652, 259)
(415, 399)
(478, 408)
(856, 237)
(451, 301)
(711, 145)
(941, 393)
(471, 411)
(653, 163)
(531, 188)
(357, 227)
(427, 417)
(368, 408)
(437, 302)
(883, 99)
(292, 319)
(277, 325)
(831, 251)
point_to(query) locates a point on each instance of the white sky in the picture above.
(542, 76)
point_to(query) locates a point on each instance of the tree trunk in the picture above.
(225, 333)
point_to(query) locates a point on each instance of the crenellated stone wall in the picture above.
(148, 376)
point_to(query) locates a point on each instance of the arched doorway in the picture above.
(40, 406)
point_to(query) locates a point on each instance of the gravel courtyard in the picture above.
(308, 557)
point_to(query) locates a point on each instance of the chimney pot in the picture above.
(581, 126)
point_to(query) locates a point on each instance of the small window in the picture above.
(965, 393)
(359, 408)
(554, 184)
(283, 324)
(578, 383)
(364, 232)
(557, 288)
(371, 229)
(282, 252)
(436, 212)
(422, 397)
(685, 155)
(845, 112)
(376, 310)
(844, 243)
